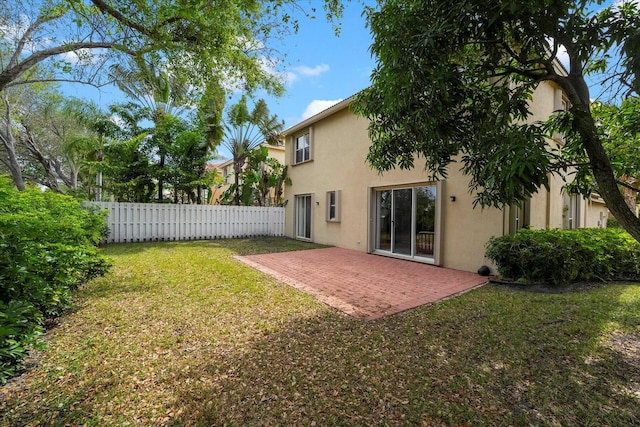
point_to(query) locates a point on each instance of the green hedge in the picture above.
(47, 250)
(564, 256)
(612, 222)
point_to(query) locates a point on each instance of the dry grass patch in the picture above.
(182, 334)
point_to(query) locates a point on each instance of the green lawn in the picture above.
(182, 334)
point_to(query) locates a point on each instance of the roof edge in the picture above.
(319, 116)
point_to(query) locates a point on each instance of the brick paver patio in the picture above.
(363, 285)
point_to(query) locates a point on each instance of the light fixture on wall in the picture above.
(452, 198)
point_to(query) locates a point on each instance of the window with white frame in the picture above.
(302, 147)
(333, 206)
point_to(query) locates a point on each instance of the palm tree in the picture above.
(244, 131)
(161, 92)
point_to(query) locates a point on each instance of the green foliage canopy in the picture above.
(454, 82)
(77, 39)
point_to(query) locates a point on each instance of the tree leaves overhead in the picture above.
(77, 39)
(454, 82)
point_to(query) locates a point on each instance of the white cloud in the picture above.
(81, 56)
(311, 72)
(304, 71)
(14, 30)
(317, 106)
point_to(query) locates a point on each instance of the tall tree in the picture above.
(127, 170)
(160, 91)
(8, 128)
(49, 143)
(619, 129)
(101, 129)
(76, 39)
(455, 78)
(186, 163)
(79, 40)
(246, 130)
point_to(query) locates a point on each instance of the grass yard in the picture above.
(182, 334)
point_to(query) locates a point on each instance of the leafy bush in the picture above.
(564, 256)
(613, 222)
(19, 328)
(47, 250)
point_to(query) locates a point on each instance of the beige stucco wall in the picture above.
(339, 147)
(595, 214)
(340, 144)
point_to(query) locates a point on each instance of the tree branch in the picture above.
(120, 17)
(10, 74)
(626, 185)
(55, 80)
(27, 34)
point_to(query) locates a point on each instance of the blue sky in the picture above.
(321, 68)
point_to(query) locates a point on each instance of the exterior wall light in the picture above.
(452, 198)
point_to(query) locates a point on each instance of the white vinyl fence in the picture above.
(143, 222)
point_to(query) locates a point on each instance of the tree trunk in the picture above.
(51, 167)
(9, 142)
(16, 172)
(160, 179)
(577, 90)
(236, 180)
(603, 173)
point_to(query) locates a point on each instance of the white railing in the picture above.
(143, 222)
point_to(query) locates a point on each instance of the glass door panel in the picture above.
(383, 218)
(303, 217)
(402, 219)
(425, 220)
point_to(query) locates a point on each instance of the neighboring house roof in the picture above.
(211, 166)
(218, 165)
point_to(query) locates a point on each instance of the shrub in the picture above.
(19, 328)
(612, 222)
(47, 250)
(564, 256)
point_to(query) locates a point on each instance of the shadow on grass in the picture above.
(483, 359)
(244, 246)
(490, 357)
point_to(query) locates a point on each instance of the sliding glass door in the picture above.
(406, 221)
(303, 217)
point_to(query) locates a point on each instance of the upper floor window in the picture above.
(302, 147)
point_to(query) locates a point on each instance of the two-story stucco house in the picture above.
(337, 199)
